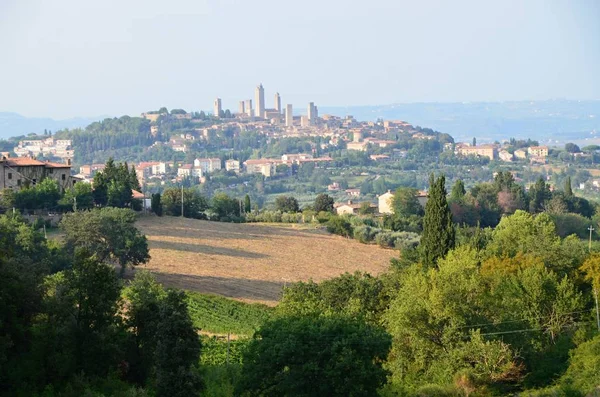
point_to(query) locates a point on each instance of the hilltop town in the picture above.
(264, 151)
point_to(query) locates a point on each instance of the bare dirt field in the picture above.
(251, 262)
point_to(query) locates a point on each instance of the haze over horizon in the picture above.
(69, 58)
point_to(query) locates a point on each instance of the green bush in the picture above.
(406, 240)
(324, 217)
(385, 239)
(365, 234)
(340, 226)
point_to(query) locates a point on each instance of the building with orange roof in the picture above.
(19, 172)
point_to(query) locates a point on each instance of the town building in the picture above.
(385, 205)
(242, 108)
(189, 170)
(45, 147)
(259, 97)
(208, 165)
(505, 155)
(217, 109)
(289, 116)
(312, 117)
(489, 151)
(351, 207)
(232, 165)
(265, 167)
(520, 154)
(248, 108)
(277, 102)
(538, 151)
(353, 192)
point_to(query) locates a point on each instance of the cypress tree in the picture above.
(438, 230)
(568, 188)
(247, 205)
(458, 190)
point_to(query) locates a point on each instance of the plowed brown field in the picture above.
(251, 262)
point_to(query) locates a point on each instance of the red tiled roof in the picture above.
(136, 194)
(22, 162)
(57, 165)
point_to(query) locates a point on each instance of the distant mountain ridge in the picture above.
(14, 124)
(551, 120)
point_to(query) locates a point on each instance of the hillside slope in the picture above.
(251, 262)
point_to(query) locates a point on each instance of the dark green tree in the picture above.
(108, 233)
(194, 203)
(78, 197)
(177, 348)
(405, 203)
(286, 204)
(458, 191)
(247, 204)
(155, 204)
(315, 356)
(144, 297)
(539, 194)
(438, 229)
(568, 188)
(323, 202)
(83, 304)
(224, 206)
(572, 148)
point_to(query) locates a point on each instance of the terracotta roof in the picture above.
(57, 165)
(136, 194)
(261, 161)
(22, 162)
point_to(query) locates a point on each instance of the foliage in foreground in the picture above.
(220, 315)
(310, 355)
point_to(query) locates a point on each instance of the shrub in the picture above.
(365, 234)
(324, 217)
(340, 226)
(385, 239)
(406, 240)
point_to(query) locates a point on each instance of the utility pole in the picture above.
(74, 204)
(182, 200)
(591, 229)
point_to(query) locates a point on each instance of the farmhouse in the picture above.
(385, 203)
(350, 207)
(16, 173)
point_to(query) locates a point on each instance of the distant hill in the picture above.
(552, 120)
(13, 124)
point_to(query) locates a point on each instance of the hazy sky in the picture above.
(64, 58)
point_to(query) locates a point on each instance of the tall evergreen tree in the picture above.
(438, 230)
(458, 191)
(538, 195)
(568, 188)
(247, 204)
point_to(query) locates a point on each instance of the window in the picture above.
(63, 177)
(18, 182)
(34, 181)
(10, 175)
(51, 171)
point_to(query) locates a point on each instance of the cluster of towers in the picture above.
(246, 109)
